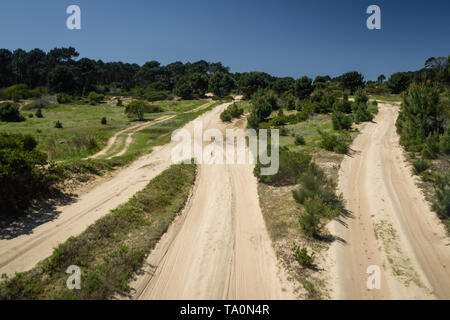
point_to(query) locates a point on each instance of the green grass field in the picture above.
(83, 134)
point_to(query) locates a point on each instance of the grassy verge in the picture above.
(111, 250)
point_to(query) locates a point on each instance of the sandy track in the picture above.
(23, 252)
(130, 131)
(218, 248)
(379, 191)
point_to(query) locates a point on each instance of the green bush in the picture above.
(361, 113)
(119, 102)
(299, 141)
(225, 116)
(291, 165)
(104, 121)
(361, 97)
(341, 121)
(21, 91)
(39, 113)
(422, 115)
(231, 112)
(9, 112)
(24, 175)
(95, 97)
(332, 142)
(420, 165)
(302, 256)
(309, 224)
(64, 98)
(58, 125)
(315, 183)
(441, 199)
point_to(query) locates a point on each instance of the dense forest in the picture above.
(61, 71)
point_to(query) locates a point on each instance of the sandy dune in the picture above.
(411, 248)
(23, 252)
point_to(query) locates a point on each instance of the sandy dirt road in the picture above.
(23, 252)
(218, 248)
(390, 223)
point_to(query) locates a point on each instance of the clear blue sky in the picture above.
(283, 37)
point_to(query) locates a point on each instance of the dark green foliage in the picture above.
(361, 113)
(309, 224)
(184, 90)
(221, 84)
(96, 97)
(343, 106)
(341, 121)
(421, 118)
(39, 113)
(136, 109)
(58, 125)
(361, 97)
(352, 81)
(104, 121)
(231, 112)
(441, 200)
(315, 183)
(303, 87)
(260, 111)
(420, 166)
(302, 256)
(299, 141)
(119, 102)
(250, 82)
(399, 82)
(338, 143)
(23, 175)
(291, 165)
(9, 112)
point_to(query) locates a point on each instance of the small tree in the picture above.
(136, 109)
(39, 113)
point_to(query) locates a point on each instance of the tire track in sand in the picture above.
(412, 248)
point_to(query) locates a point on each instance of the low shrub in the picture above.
(420, 165)
(9, 112)
(341, 121)
(95, 97)
(299, 141)
(58, 125)
(291, 165)
(332, 142)
(39, 113)
(302, 257)
(24, 173)
(64, 98)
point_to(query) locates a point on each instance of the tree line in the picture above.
(60, 71)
